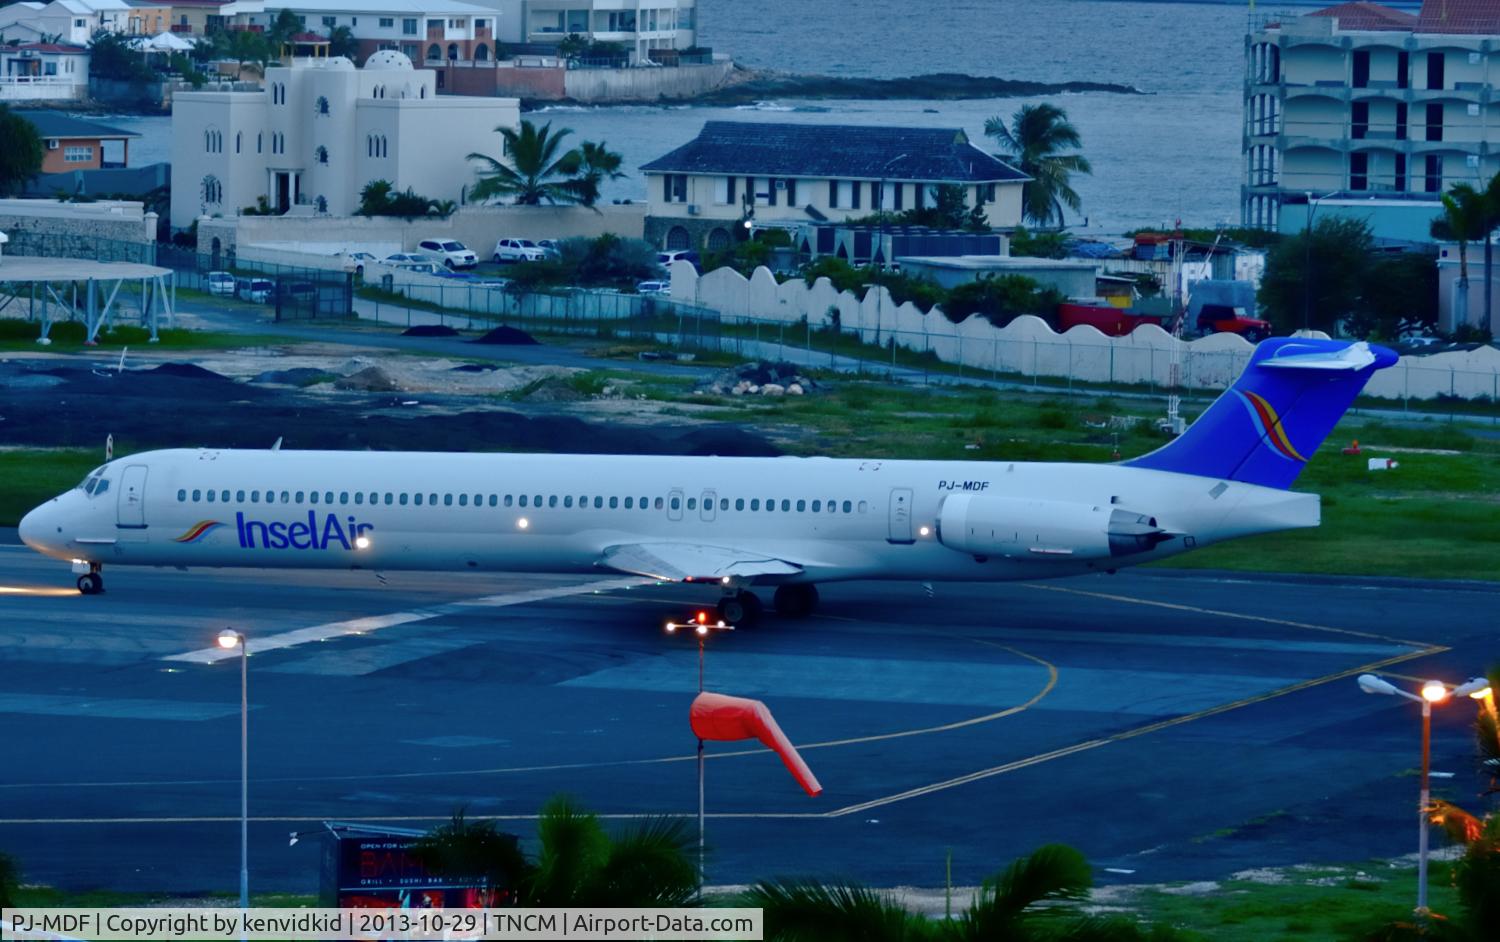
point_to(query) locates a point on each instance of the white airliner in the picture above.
(787, 523)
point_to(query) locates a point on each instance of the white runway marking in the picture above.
(368, 624)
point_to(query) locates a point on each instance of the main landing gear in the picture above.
(92, 582)
(741, 607)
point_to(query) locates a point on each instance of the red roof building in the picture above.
(1460, 17)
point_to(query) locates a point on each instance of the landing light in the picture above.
(924, 531)
(523, 523)
(362, 542)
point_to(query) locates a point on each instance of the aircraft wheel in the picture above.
(740, 610)
(91, 583)
(796, 601)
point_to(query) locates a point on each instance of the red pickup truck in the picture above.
(1222, 319)
(1109, 320)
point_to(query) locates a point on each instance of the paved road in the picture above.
(1174, 725)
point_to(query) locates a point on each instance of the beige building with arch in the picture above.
(321, 129)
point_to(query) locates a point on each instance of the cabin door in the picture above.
(132, 500)
(900, 515)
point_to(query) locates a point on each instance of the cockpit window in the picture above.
(101, 487)
(95, 484)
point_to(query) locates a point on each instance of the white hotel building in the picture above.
(319, 131)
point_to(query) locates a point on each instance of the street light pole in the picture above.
(1312, 207)
(1433, 691)
(230, 639)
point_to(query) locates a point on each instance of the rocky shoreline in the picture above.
(747, 86)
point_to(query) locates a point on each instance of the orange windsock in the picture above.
(719, 717)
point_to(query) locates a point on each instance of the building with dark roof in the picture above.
(786, 174)
(1365, 110)
(71, 143)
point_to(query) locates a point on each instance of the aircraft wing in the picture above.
(681, 562)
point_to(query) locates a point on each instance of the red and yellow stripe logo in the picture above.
(198, 531)
(1270, 425)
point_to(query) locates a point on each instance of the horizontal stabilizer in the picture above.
(1353, 357)
(683, 562)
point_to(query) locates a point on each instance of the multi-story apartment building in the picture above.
(73, 22)
(428, 32)
(185, 17)
(789, 174)
(641, 26)
(1362, 102)
(320, 130)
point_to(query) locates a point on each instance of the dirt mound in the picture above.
(369, 379)
(762, 378)
(506, 336)
(429, 330)
(552, 389)
(301, 377)
(186, 371)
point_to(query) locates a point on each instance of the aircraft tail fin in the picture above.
(1267, 425)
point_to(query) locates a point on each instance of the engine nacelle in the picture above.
(1013, 527)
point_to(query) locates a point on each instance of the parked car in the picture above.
(1105, 318)
(255, 290)
(654, 287)
(221, 283)
(665, 259)
(517, 250)
(426, 266)
(450, 253)
(356, 261)
(1222, 319)
(404, 258)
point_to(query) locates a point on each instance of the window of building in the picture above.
(1432, 177)
(452, 51)
(434, 24)
(481, 23)
(434, 52)
(77, 154)
(387, 22)
(409, 26)
(330, 21)
(481, 53)
(213, 190)
(321, 154)
(259, 141)
(674, 187)
(1435, 121)
(724, 190)
(321, 204)
(322, 105)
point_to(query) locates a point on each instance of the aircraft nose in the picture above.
(37, 527)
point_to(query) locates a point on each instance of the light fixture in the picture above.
(702, 629)
(1434, 691)
(1369, 683)
(230, 639)
(1477, 688)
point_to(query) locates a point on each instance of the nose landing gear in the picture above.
(92, 582)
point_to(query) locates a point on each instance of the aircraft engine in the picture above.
(984, 525)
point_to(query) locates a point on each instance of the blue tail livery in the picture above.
(1269, 423)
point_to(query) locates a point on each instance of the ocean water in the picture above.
(1170, 153)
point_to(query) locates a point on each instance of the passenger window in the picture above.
(254, 497)
(817, 506)
(493, 500)
(848, 507)
(723, 503)
(770, 504)
(676, 503)
(755, 503)
(328, 497)
(863, 506)
(417, 499)
(374, 497)
(657, 503)
(692, 503)
(508, 500)
(239, 497)
(447, 500)
(312, 497)
(629, 503)
(343, 497)
(211, 496)
(614, 503)
(403, 498)
(478, 500)
(568, 500)
(536, 501)
(552, 501)
(389, 498)
(739, 503)
(181, 496)
(833, 506)
(359, 497)
(299, 496)
(223, 495)
(196, 495)
(644, 503)
(598, 503)
(801, 506)
(786, 505)
(432, 499)
(463, 500)
(286, 496)
(522, 501)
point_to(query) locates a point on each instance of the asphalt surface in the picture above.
(1176, 726)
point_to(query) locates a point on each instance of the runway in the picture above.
(1171, 725)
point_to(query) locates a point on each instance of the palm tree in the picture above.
(1463, 219)
(1034, 898)
(1033, 143)
(577, 863)
(596, 163)
(535, 165)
